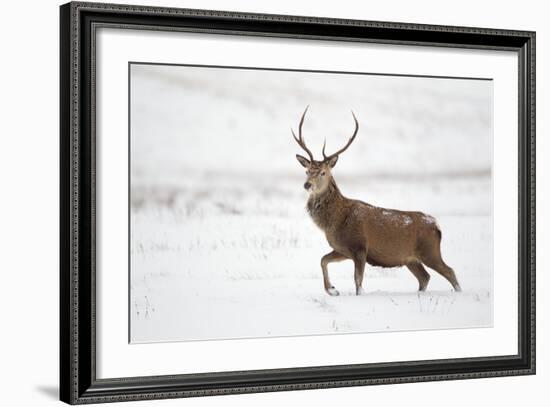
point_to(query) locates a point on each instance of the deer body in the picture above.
(369, 234)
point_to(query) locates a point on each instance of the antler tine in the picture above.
(347, 144)
(300, 139)
(302, 122)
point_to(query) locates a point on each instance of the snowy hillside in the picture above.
(221, 245)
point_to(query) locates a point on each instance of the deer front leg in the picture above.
(330, 258)
(359, 260)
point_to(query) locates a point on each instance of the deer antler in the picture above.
(300, 139)
(347, 144)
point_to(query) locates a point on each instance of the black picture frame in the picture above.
(78, 382)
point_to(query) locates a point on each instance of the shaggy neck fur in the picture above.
(325, 207)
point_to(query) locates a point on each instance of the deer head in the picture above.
(319, 172)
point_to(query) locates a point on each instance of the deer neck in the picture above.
(325, 207)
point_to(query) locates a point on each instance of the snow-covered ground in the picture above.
(221, 245)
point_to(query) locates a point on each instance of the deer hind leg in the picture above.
(421, 275)
(433, 260)
(446, 272)
(359, 260)
(330, 258)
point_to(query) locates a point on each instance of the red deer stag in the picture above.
(365, 233)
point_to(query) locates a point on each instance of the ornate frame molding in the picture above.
(78, 382)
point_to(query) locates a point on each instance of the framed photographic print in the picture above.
(255, 203)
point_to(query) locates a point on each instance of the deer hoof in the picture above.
(359, 291)
(332, 291)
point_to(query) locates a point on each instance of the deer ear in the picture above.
(302, 160)
(332, 161)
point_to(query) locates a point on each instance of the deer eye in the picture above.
(323, 174)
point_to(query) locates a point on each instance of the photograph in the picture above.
(278, 203)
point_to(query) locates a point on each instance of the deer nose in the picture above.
(307, 185)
